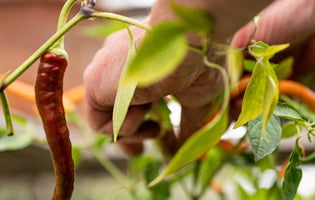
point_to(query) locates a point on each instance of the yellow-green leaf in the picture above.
(200, 142)
(290, 129)
(252, 105)
(235, 64)
(272, 50)
(125, 92)
(271, 93)
(161, 51)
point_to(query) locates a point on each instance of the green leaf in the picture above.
(152, 170)
(289, 129)
(310, 158)
(76, 155)
(260, 146)
(161, 51)
(198, 20)
(138, 164)
(164, 113)
(19, 120)
(249, 65)
(102, 30)
(161, 191)
(293, 174)
(252, 105)
(271, 93)
(209, 166)
(235, 64)
(284, 68)
(197, 144)
(100, 140)
(15, 142)
(242, 193)
(3, 131)
(125, 92)
(268, 162)
(287, 111)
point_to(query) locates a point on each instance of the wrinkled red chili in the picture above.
(48, 93)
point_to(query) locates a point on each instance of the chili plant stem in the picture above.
(7, 113)
(112, 169)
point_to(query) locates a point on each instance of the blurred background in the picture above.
(27, 173)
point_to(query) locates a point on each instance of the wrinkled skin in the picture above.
(194, 85)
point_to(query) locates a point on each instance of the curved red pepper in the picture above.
(48, 93)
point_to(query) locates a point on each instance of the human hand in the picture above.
(193, 84)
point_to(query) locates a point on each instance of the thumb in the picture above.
(286, 21)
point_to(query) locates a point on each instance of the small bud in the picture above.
(92, 3)
(86, 11)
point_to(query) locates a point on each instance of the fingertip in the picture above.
(242, 36)
(131, 148)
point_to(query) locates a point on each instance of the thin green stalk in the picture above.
(185, 189)
(195, 48)
(106, 15)
(7, 114)
(225, 81)
(59, 45)
(112, 169)
(194, 187)
(64, 13)
(28, 62)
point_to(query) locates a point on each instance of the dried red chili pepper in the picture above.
(48, 93)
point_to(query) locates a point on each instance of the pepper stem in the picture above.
(58, 47)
